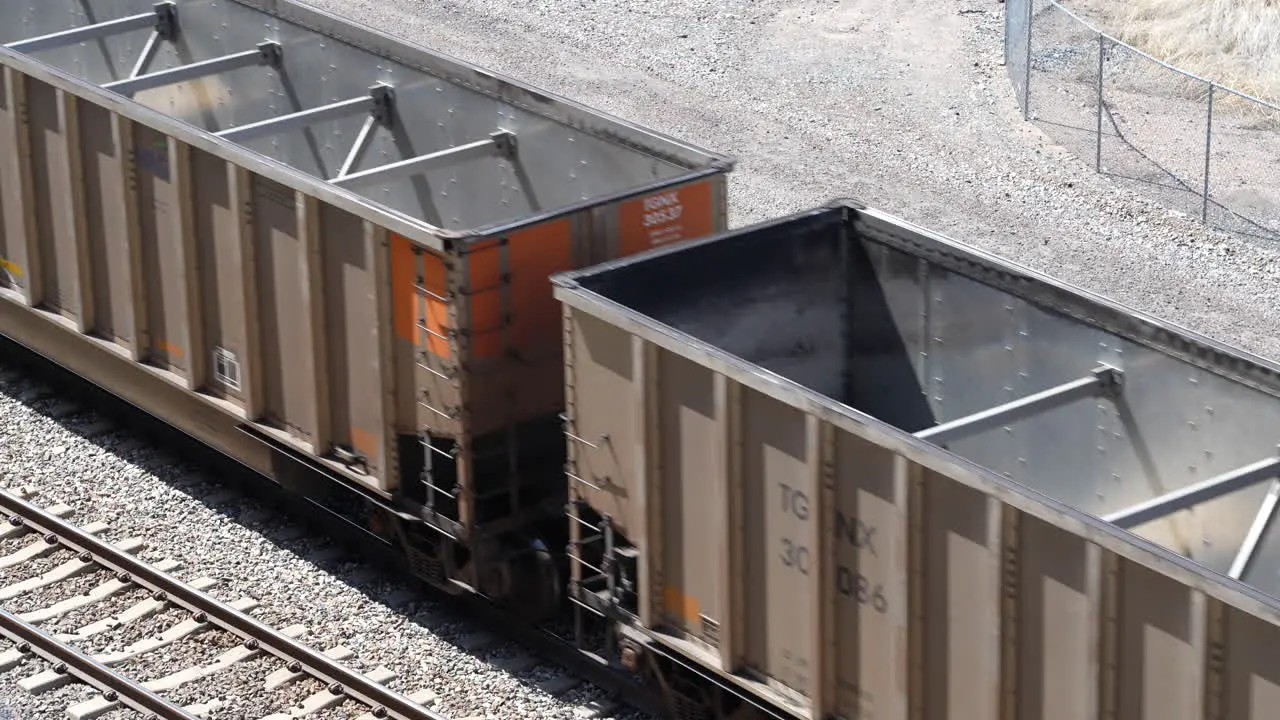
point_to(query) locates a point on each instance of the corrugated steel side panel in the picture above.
(836, 564)
(260, 271)
(615, 366)
(17, 205)
(876, 586)
(259, 298)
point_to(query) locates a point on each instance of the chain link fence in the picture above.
(1199, 147)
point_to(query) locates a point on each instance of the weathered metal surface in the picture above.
(485, 150)
(259, 201)
(755, 432)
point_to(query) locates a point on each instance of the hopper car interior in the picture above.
(1116, 417)
(1122, 416)
(361, 269)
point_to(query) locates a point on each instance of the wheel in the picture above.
(535, 592)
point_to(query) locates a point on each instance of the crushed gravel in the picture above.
(293, 572)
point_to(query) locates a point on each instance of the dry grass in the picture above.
(1232, 42)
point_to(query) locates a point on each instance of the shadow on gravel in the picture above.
(1141, 170)
(241, 496)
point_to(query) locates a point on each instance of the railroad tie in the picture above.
(62, 409)
(24, 492)
(9, 530)
(98, 705)
(597, 709)
(98, 429)
(98, 594)
(477, 642)
(139, 610)
(205, 709)
(284, 675)
(40, 548)
(325, 699)
(68, 569)
(49, 679)
(35, 393)
(559, 685)
(425, 698)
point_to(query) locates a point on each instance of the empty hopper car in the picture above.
(325, 253)
(844, 466)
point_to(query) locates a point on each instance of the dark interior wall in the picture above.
(882, 380)
(772, 297)
(803, 299)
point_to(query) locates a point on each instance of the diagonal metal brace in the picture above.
(163, 18)
(1195, 494)
(267, 53)
(1261, 523)
(501, 144)
(1105, 381)
(375, 104)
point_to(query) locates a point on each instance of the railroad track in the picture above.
(543, 658)
(30, 534)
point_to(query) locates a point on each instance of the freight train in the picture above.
(832, 465)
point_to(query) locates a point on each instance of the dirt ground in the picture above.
(1154, 124)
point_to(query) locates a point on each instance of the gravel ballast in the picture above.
(294, 573)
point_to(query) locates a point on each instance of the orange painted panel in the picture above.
(402, 280)
(365, 442)
(436, 311)
(485, 261)
(533, 255)
(681, 606)
(537, 253)
(410, 305)
(666, 217)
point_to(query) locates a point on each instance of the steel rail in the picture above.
(384, 701)
(113, 685)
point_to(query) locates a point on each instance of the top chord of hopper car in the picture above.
(324, 252)
(854, 469)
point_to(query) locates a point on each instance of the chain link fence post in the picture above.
(1138, 100)
(1026, 65)
(1208, 146)
(1102, 51)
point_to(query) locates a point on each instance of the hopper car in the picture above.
(859, 470)
(829, 466)
(325, 252)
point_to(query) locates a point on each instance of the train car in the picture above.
(848, 468)
(324, 252)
